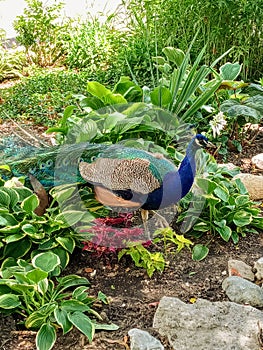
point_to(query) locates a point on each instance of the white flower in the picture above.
(218, 123)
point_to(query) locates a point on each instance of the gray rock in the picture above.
(208, 325)
(258, 266)
(253, 184)
(241, 269)
(258, 161)
(141, 340)
(242, 291)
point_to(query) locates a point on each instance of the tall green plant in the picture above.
(40, 31)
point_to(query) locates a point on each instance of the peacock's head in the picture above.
(203, 142)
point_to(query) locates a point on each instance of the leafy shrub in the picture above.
(95, 46)
(40, 32)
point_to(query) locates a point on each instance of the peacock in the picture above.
(122, 177)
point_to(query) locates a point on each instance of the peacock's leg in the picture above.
(161, 220)
(145, 216)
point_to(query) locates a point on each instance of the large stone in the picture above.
(258, 161)
(208, 325)
(258, 266)
(253, 184)
(241, 269)
(242, 291)
(141, 340)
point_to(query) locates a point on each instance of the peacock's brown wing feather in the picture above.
(121, 174)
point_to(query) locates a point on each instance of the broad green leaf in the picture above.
(73, 305)
(202, 227)
(161, 96)
(96, 89)
(9, 301)
(208, 186)
(5, 167)
(9, 219)
(112, 120)
(72, 281)
(37, 275)
(36, 319)
(42, 286)
(61, 194)
(30, 203)
(71, 217)
(14, 238)
(230, 71)
(46, 337)
(225, 232)
(29, 229)
(67, 243)
(4, 199)
(63, 256)
(222, 193)
(14, 198)
(174, 55)
(242, 200)
(23, 192)
(242, 218)
(83, 323)
(62, 319)
(199, 252)
(46, 261)
(17, 249)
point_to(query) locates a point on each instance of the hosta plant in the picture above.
(45, 304)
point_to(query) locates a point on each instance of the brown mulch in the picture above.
(133, 295)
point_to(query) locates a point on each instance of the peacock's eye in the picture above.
(93, 158)
(81, 160)
(65, 161)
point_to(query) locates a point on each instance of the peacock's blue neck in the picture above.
(187, 171)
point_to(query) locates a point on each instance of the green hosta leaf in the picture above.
(46, 261)
(23, 193)
(206, 185)
(36, 319)
(46, 337)
(70, 217)
(98, 90)
(30, 203)
(112, 120)
(14, 238)
(62, 319)
(202, 227)
(61, 194)
(37, 275)
(225, 232)
(230, 71)
(4, 199)
(83, 323)
(9, 219)
(73, 305)
(161, 96)
(42, 286)
(242, 200)
(3, 221)
(242, 218)
(67, 243)
(63, 256)
(72, 281)
(222, 193)
(14, 198)
(29, 229)
(17, 249)
(9, 301)
(241, 187)
(174, 55)
(199, 252)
